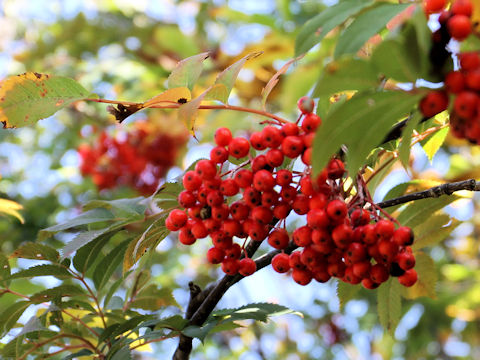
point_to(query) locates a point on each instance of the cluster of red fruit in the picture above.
(463, 85)
(333, 243)
(457, 20)
(139, 159)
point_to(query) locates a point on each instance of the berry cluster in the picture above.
(463, 85)
(254, 199)
(138, 158)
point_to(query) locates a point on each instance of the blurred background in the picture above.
(125, 50)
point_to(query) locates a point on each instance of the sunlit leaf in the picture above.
(187, 72)
(427, 278)
(42, 270)
(255, 311)
(346, 74)
(436, 229)
(10, 207)
(179, 95)
(276, 78)
(389, 304)
(27, 98)
(316, 28)
(361, 123)
(188, 112)
(108, 265)
(152, 298)
(433, 143)
(10, 315)
(227, 78)
(404, 148)
(365, 26)
(134, 207)
(346, 292)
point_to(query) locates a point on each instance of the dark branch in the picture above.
(203, 302)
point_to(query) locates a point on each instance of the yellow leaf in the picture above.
(11, 208)
(178, 95)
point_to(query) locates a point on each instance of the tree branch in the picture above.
(202, 303)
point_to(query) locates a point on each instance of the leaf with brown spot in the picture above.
(276, 78)
(178, 95)
(29, 97)
(188, 112)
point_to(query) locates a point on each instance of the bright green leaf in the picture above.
(10, 315)
(42, 270)
(389, 304)
(187, 113)
(404, 148)
(152, 298)
(346, 74)
(365, 26)
(316, 28)
(121, 208)
(361, 123)
(88, 254)
(27, 98)
(346, 292)
(435, 230)
(427, 278)
(108, 265)
(4, 270)
(187, 72)
(434, 142)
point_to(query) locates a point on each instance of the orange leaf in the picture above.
(178, 95)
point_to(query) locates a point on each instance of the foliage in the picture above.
(100, 273)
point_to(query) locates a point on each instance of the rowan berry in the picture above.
(231, 227)
(229, 187)
(230, 266)
(335, 169)
(220, 213)
(199, 230)
(219, 154)
(472, 79)
(252, 197)
(274, 157)
(403, 236)
(260, 163)
(433, 103)
(302, 276)
(243, 178)
(342, 236)
(223, 136)
(305, 104)
(290, 129)
(369, 284)
(281, 210)
(238, 147)
(469, 60)
(301, 204)
(302, 236)
(360, 217)
(433, 6)
(336, 269)
(350, 277)
(283, 177)
(234, 251)
(257, 231)
(221, 240)
(281, 263)
(459, 27)
(247, 267)
(317, 218)
(466, 103)
(262, 215)
(409, 278)
(269, 198)
(186, 199)
(362, 268)
(405, 260)
(462, 7)
(379, 273)
(256, 139)
(191, 181)
(311, 122)
(356, 252)
(278, 239)
(185, 236)
(454, 82)
(206, 169)
(272, 136)
(337, 210)
(292, 146)
(177, 219)
(307, 156)
(215, 255)
(384, 229)
(295, 261)
(288, 193)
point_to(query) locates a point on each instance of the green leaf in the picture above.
(199, 332)
(108, 265)
(427, 278)
(77, 304)
(123, 354)
(227, 78)
(113, 288)
(27, 98)
(83, 352)
(187, 113)
(4, 271)
(256, 311)
(10, 315)
(87, 254)
(389, 304)
(15, 348)
(88, 217)
(404, 148)
(175, 322)
(420, 211)
(42, 270)
(433, 143)
(365, 26)
(57, 292)
(133, 208)
(119, 328)
(346, 292)
(32, 325)
(36, 251)
(436, 229)
(152, 298)
(346, 74)
(316, 28)
(361, 123)
(187, 72)
(150, 238)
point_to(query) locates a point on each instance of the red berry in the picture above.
(256, 139)
(239, 147)
(433, 103)
(177, 218)
(318, 201)
(311, 122)
(186, 199)
(269, 198)
(247, 267)
(336, 269)
(260, 163)
(462, 7)
(292, 146)
(433, 6)
(281, 210)
(469, 61)
(215, 255)
(388, 250)
(360, 217)
(466, 103)
(369, 284)
(223, 136)
(206, 169)
(459, 27)
(350, 277)
(305, 104)
(278, 239)
(257, 231)
(379, 273)
(281, 263)
(384, 229)
(272, 136)
(335, 169)
(473, 79)
(317, 219)
(302, 277)
(244, 178)
(307, 156)
(219, 154)
(274, 157)
(356, 252)
(342, 236)
(295, 261)
(290, 129)
(199, 230)
(302, 236)
(409, 278)
(403, 236)
(186, 237)
(284, 177)
(230, 266)
(454, 82)
(288, 193)
(191, 181)
(301, 204)
(211, 225)
(337, 210)
(231, 227)
(221, 240)
(262, 215)
(306, 186)
(362, 269)
(252, 197)
(239, 210)
(405, 260)
(234, 251)
(220, 213)
(229, 187)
